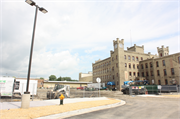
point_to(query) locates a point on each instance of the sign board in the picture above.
(98, 80)
(142, 86)
(159, 86)
(139, 87)
(153, 81)
(6, 86)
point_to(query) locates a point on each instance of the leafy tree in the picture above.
(59, 79)
(41, 78)
(52, 78)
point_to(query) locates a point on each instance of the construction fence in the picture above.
(153, 89)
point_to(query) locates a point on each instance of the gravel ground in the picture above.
(36, 112)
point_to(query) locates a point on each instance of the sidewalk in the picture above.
(50, 109)
(15, 105)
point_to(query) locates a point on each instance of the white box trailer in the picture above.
(20, 86)
(95, 85)
(6, 86)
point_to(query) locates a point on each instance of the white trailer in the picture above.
(96, 85)
(20, 86)
(6, 86)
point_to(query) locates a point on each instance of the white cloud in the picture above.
(95, 49)
(68, 37)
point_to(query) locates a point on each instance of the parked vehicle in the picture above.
(136, 88)
(96, 85)
(82, 87)
(10, 86)
(20, 86)
(58, 90)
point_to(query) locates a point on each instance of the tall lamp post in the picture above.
(26, 96)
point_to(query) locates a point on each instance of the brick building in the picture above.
(162, 70)
(122, 65)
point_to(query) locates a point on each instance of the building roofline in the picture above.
(64, 82)
(102, 60)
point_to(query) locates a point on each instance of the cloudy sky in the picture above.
(75, 33)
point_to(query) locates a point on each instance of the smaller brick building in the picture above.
(85, 77)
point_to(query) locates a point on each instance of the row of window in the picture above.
(151, 65)
(133, 65)
(133, 58)
(102, 65)
(166, 82)
(108, 76)
(158, 72)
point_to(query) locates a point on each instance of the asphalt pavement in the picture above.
(138, 107)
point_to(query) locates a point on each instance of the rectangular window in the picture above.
(113, 59)
(116, 57)
(124, 56)
(172, 71)
(165, 72)
(129, 73)
(147, 74)
(116, 64)
(151, 64)
(157, 64)
(129, 58)
(117, 74)
(134, 73)
(129, 65)
(179, 60)
(142, 74)
(17, 84)
(151, 73)
(159, 82)
(133, 58)
(112, 68)
(141, 58)
(133, 66)
(138, 73)
(158, 73)
(125, 65)
(166, 82)
(113, 76)
(141, 66)
(137, 59)
(146, 65)
(163, 62)
(117, 82)
(137, 66)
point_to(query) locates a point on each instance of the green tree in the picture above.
(59, 79)
(41, 78)
(52, 78)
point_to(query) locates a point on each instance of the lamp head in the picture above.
(30, 2)
(43, 10)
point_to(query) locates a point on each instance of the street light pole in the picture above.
(31, 51)
(25, 99)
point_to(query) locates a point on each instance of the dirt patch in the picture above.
(35, 112)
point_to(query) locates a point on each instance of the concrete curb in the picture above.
(82, 111)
